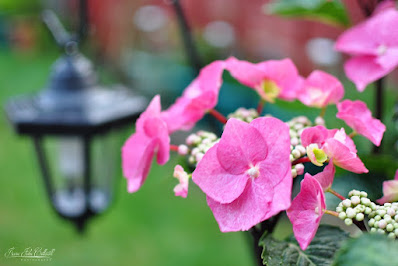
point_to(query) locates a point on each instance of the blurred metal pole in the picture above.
(190, 47)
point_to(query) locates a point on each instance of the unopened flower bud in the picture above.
(351, 212)
(382, 224)
(294, 141)
(348, 221)
(342, 215)
(365, 201)
(301, 149)
(319, 121)
(347, 203)
(391, 235)
(182, 149)
(389, 227)
(355, 200)
(300, 168)
(359, 217)
(296, 154)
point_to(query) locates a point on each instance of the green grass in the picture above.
(150, 227)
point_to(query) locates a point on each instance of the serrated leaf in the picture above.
(330, 12)
(368, 249)
(326, 242)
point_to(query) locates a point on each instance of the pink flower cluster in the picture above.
(373, 45)
(246, 175)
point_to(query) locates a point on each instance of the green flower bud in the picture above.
(391, 235)
(339, 209)
(368, 210)
(365, 201)
(363, 194)
(359, 217)
(373, 230)
(342, 215)
(377, 217)
(381, 231)
(351, 212)
(348, 221)
(381, 212)
(382, 224)
(389, 227)
(371, 222)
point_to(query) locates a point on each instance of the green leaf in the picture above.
(368, 249)
(326, 242)
(329, 12)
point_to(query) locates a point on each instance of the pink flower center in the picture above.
(382, 49)
(253, 172)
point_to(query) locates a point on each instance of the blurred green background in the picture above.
(150, 227)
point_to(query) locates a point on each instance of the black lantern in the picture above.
(72, 123)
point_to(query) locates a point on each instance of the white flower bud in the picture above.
(339, 209)
(387, 218)
(342, 215)
(294, 173)
(396, 217)
(291, 158)
(381, 212)
(299, 168)
(365, 201)
(359, 217)
(373, 230)
(355, 200)
(391, 235)
(182, 149)
(296, 154)
(294, 141)
(389, 227)
(396, 232)
(391, 212)
(301, 149)
(347, 203)
(319, 121)
(371, 222)
(364, 194)
(199, 156)
(381, 231)
(298, 126)
(351, 212)
(382, 224)
(348, 221)
(368, 210)
(377, 217)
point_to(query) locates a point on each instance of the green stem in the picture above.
(330, 190)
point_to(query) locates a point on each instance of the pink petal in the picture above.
(199, 97)
(245, 72)
(241, 147)
(343, 157)
(215, 181)
(325, 178)
(282, 196)
(306, 211)
(357, 115)
(284, 73)
(321, 89)
(247, 210)
(137, 154)
(390, 190)
(367, 36)
(363, 70)
(276, 133)
(317, 135)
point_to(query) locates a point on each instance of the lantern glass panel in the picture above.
(66, 158)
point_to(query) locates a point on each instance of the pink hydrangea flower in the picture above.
(271, 79)
(306, 210)
(198, 98)
(390, 190)
(335, 144)
(137, 152)
(321, 89)
(374, 46)
(247, 174)
(357, 115)
(182, 188)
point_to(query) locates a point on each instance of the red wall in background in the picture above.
(259, 35)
